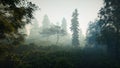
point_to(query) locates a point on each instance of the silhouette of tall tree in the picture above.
(14, 15)
(74, 28)
(110, 27)
(93, 32)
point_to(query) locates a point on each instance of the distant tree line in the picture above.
(50, 29)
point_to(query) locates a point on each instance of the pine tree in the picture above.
(46, 22)
(93, 32)
(64, 24)
(74, 29)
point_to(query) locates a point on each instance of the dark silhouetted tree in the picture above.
(93, 32)
(14, 15)
(110, 27)
(74, 28)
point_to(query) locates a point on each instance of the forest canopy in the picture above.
(14, 15)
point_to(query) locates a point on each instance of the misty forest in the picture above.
(60, 34)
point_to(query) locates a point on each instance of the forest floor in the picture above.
(33, 56)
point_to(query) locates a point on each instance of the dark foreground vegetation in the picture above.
(33, 56)
(105, 31)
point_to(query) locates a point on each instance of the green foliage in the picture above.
(74, 28)
(110, 26)
(93, 33)
(4, 23)
(32, 56)
(14, 15)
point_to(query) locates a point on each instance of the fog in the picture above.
(57, 9)
(59, 33)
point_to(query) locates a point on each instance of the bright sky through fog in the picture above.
(57, 9)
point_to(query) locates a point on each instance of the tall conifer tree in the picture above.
(74, 28)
